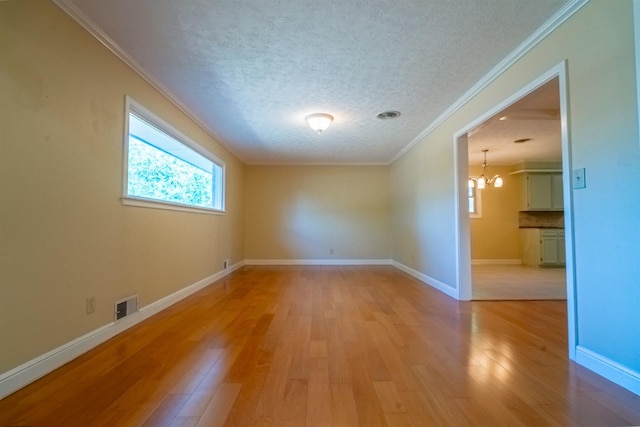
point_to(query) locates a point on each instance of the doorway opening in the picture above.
(541, 104)
(515, 158)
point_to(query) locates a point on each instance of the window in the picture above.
(165, 169)
(475, 202)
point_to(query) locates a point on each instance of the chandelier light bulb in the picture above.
(481, 183)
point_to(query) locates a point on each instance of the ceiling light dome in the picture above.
(319, 121)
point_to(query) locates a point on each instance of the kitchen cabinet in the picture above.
(542, 192)
(552, 251)
(543, 247)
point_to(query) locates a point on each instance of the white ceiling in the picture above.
(250, 71)
(535, 117)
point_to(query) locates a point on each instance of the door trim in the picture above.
(463, 240)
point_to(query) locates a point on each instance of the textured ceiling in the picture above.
(535, 117)
(250, 71)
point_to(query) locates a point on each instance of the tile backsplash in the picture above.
(541, 219)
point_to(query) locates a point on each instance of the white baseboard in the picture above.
(34, 369)
(169, 300)
(434, 283)
(609, 369)
(317, 262)
(508, 261)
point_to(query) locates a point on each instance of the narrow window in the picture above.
(164, 166)
(475, 205)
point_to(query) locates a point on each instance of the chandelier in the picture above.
(483, 181)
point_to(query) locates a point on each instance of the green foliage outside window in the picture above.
(155, 174)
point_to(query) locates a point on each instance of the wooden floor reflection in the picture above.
(321, 346)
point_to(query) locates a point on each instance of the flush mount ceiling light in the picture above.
(385, 115)
(483, 181)
(319, 121)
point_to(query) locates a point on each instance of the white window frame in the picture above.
(131, 106)
(477, 199)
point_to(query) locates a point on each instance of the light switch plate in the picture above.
(579, 179)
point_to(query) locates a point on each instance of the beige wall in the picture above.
(64, 233)
(496, 234)
(304, 212)
(423, 215)
(598, 45)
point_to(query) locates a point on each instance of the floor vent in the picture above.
(126, 306)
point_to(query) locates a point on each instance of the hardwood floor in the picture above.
(321, 346)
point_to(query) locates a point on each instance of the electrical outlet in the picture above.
(91, 304)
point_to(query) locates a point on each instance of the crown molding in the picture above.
(536, 37)
(93, 28)
(543, 31)
(326, 164)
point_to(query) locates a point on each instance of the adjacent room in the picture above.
(319, 213)
(516, 203)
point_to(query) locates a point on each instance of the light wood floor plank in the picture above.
(218, 409)
(293, 411)
(343, 406)
(318, 405)
(320, 346)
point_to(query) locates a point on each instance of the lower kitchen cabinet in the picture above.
(543, 247)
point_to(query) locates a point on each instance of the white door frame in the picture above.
(463, 240)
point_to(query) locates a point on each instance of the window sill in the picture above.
(157, 204)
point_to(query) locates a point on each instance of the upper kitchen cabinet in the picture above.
(542, 192)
